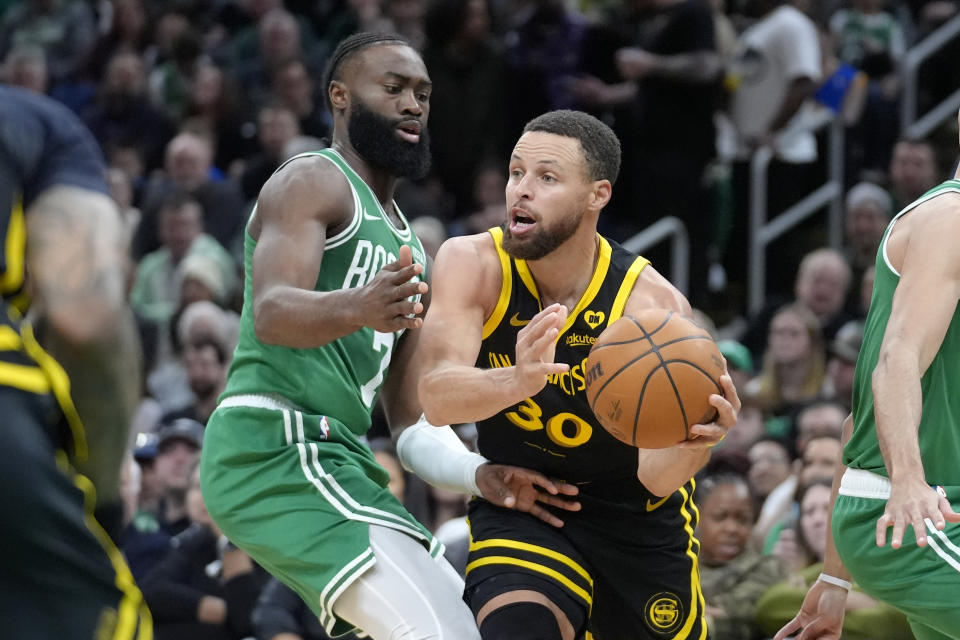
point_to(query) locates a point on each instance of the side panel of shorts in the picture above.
(298, 492)
(61, 577)
(910, 578)
(633, 584)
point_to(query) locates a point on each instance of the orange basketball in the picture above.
(649, 378)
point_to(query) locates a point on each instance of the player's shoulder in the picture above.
(479, 248)
(652, 289)
(470, 260)
(309, 183)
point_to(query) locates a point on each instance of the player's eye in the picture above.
(392, 88)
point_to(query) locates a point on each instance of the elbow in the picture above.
(656, 483)
(432, 409)
(264, 325)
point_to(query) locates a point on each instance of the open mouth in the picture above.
(409, 131)
(520, 221)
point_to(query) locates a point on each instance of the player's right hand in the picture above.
(536, 346)
(820, 616)
(525, 490)
(913, 502)
(386, 303)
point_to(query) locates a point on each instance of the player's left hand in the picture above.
(820, 616)
(525, 490)
(727, 406)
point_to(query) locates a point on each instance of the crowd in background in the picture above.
(196, 102)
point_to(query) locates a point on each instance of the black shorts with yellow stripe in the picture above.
(618, 572)
(61, 575)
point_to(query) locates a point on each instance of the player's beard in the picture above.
(543, 241)
(375, 139)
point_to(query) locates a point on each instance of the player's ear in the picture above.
(602, 190)
(339, 95)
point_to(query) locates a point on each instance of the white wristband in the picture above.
(839, 582)
(438, 456)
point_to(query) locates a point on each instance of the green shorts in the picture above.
(922, 582)
(298, 492)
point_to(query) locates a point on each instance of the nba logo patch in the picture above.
(324, 428)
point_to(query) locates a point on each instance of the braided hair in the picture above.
(350, 46)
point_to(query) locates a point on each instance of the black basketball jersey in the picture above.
(555, 431)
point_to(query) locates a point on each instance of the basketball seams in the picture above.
(643, 390)
(676, 393)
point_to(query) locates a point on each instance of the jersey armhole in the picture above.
(626, 288)
(505, 286)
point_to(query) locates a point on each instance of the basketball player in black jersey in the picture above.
(65, 406)
(504, 343)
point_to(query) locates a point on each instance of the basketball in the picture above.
(649, 378)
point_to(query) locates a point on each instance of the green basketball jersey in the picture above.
(340, 379)
(940, 421)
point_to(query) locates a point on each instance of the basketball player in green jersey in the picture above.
(903, 439)
(499, 347)
(330, 317)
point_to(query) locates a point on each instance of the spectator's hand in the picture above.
(525, 490)
(727, 406)
(536, 346)
(820, 616)
(212, 610)
(634, 63)
(787, 549)
(235, 562)
(384, 304)
(589, 90)
(912, 501)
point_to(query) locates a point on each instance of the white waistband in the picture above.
(858, 483)
(256, 401)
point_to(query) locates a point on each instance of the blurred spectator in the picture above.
(749, 428)
(281, 614)
(187, 167)
(156, 291)
(123, 116)
(169, 81)
(204, 588)
(794, 363)
(820, 418)
(739, 362)
(25, 66)
(431, 232)
(866, 216)
(203, 277)
(215, 108)
(276, 126)
(489, 195)
(866, 291)
(769, 466)
(64, 29)
(669, 84)
(206, 363)
(302, 144)
(913, 171)
(121, 190)
(821, 286)
(293, 87)
(142, 542)
(777, 69)
(865, 618)
(128, 32)
(279, 39)
(178, 451)
(406, 19)
(732, 576)
(844, 351)
(467, 112)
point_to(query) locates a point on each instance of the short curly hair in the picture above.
(601, 148)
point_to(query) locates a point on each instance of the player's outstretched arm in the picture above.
(76, 257)
(298, 208)
(466, 286)
(924, 303)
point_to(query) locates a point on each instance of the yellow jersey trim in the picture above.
(526, 546)
(539, 568)
(626, 288)
(15, 245)
(9, 339)
(596, 281)
(24, 377)
(59, 383)
(132, 606)
(505, 286)
(696, 596)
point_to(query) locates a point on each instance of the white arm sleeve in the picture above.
(438, 456)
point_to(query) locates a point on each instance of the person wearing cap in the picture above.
(178, 449)
(867, 213)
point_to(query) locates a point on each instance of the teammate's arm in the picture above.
(924, 303)
(466, 284)
(663, 471)
(76, 257)
(297, 208)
